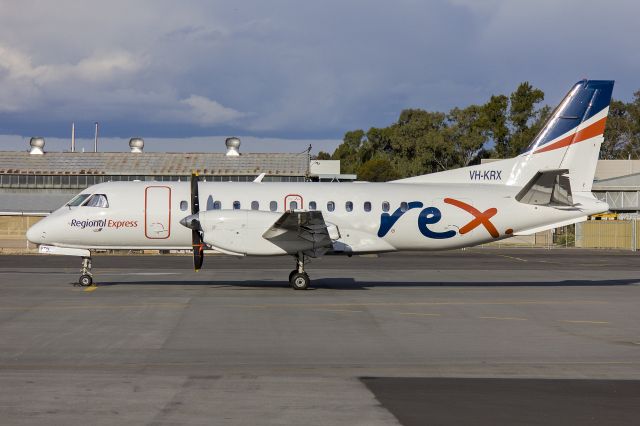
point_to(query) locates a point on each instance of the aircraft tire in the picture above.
(291, 275)
(85, 280)
(300, 281)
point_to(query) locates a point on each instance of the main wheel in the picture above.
(85, 280)
(295, 271)
(300, 281)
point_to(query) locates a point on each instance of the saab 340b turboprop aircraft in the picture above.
(547, 186)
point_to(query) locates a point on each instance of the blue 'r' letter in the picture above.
(388, 220)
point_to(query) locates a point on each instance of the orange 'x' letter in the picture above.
(479, 217)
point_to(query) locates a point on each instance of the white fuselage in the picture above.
(146, 215)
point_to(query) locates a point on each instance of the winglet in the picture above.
(260, 177)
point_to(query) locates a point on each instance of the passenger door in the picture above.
(157, 212)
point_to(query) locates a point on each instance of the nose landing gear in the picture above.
(86, 278)
(298, 278)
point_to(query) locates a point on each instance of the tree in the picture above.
(349, 150)
(377, 169)
(323, 156)
(617, 134)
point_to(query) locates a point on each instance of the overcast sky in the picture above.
(299, 71)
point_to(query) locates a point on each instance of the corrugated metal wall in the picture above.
(615, 234)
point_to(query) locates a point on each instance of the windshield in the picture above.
(98, 200)
(77, 200)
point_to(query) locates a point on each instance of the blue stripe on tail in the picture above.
(584, 100)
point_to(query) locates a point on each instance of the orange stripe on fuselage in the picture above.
(588, 132)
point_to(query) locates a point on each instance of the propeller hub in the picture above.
(191, 221)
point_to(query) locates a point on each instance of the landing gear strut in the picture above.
(86, 279)
(298, 278)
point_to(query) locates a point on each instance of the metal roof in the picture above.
(153, 163)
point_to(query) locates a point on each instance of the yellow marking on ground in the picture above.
(512, 257)
(419, 314)
(384, 304)
(92, 306)
(336, 310)
(91, 288)
(585, 322)
(505, 318)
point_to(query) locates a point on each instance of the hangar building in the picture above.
(34, 183)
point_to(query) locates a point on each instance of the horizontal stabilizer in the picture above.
(547, 188)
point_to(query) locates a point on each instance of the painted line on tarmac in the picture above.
(383, 304)
(140, 273)
(337, 310)
(91, 288)
(585, 322)
(505, 318)
(92, 306)
(512, 257)
(419, 314)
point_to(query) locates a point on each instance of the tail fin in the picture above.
(572, 136)
(570, 140)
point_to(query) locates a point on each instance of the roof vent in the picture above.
(136, 144)
(37, 146)
(233, 145)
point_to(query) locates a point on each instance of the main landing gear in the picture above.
(86, 279)
(298, 278)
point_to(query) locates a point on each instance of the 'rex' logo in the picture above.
(480, 218)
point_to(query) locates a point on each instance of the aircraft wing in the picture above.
(301, 228)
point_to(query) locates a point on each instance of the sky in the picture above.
(283, 74)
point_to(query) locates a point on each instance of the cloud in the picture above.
(290, 69)
(207, 112)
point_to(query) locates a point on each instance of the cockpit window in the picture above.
(98, 200)
(77, 200)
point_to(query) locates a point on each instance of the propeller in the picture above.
(196, 236)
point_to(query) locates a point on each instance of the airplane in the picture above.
(548, 185)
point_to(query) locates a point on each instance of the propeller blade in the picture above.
(195, 201)
(198, 249)
(196, 238)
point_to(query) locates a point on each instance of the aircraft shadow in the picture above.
(352, 284)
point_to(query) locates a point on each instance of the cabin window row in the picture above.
(293, 205)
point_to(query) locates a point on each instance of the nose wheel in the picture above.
(298, 278)
(86, 279)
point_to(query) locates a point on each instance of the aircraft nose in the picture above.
(36, 234)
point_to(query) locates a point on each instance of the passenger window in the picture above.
(236, 205)
(403, 206)
(312, 205)
(331, 206)
(348, 206)
(367, 206)
(183, 205)
(217, 205)
(98, 200)
(77, 200)
(273, 206)
(255, 205)
(293, 205)
(385, 206)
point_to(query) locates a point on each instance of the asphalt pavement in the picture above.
(495, 336)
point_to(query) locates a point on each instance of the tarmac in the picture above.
(480, 336)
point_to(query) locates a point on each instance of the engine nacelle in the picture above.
(241, 232)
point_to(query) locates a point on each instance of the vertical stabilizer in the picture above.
(570, 139)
